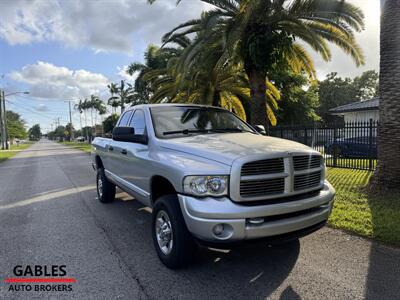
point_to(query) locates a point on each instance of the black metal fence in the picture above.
(343, 145)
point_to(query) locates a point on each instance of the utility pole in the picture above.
(71, 133)
(3, 116)
(2, 124)
(5, 119)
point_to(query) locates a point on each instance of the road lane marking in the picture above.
(47, 197)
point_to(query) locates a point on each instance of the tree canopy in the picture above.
(15, 126)
(34, 133)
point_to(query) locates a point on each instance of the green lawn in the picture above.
(83, 146)
(355, 210)
(4, 155)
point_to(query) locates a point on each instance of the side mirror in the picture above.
(127, 134)
(260, 129)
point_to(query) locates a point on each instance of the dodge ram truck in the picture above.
(210, 178)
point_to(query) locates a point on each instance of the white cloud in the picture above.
(117, 25)
(129, 25)
(48, 81)
(42, 107)
(125, 76)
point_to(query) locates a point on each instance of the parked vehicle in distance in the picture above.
(358, 147)
(80, 139)
(210, 178)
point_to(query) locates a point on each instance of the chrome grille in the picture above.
(307, 181)
(266, 187)
(266, 166)
(273, 178)
(305, 162)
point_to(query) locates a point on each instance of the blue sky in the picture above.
(65, 50)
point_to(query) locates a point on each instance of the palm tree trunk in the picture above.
(87, 134)
(258, 114)
(387, 174)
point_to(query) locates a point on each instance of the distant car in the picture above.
(358, 147)
(80, 139)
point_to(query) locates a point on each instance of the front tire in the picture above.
(105, 189)
(173, 242)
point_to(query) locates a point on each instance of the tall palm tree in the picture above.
(82, 106)
(261, 33)
(155, 59)
(203, 81)
(387, 174)
(113, 100)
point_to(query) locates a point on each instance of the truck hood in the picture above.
(227, 147)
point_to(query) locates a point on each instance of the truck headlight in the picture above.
(213, 185)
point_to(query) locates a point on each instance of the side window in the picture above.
(138, 122)
(123, 121)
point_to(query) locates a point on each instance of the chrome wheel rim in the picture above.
(100, 187)
(164, 232)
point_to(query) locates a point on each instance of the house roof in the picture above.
(372, 104)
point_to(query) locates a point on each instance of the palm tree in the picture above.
(123, 94)
(203, 81)
(262, 33)
(387, 174)
(82, 106)
(113, 100)
(155, 59)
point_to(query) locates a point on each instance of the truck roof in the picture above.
(169, 105)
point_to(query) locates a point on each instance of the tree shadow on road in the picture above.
(383, 279)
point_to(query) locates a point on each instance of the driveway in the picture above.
(49, 215)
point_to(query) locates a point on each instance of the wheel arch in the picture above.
(98, 162)
(160, 186)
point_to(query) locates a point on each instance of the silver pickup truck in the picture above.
(211, 179)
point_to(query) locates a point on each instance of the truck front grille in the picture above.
(266, 166)
(251, 188)
(278, 177)
(306, 181)
(305, 162)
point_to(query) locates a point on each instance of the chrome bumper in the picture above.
(203, 214)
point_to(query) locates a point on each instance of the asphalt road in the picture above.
(49, 215)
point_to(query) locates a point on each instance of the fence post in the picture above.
(334, 145)
(305, 136)
(281, 132)
(370, 145)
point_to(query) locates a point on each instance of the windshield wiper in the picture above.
(217, 130)
(186, 131)
(228, 130)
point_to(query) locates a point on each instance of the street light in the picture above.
(14, 93)
(3, 119)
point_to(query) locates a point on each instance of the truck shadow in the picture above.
(245, 272)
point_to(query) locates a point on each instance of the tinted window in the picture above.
(138, 122)
(123, 121)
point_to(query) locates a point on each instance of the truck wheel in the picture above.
(173, 242)
(105, 189)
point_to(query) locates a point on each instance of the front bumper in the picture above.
(202, 215)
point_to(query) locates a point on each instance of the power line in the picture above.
(30, 110)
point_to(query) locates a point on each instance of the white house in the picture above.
(361, 111)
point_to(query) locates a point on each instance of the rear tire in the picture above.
(172, 240)
(105, 189)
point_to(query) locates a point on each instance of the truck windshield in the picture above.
(176, 121)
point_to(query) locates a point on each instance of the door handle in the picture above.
(123, 151)
(111, 148)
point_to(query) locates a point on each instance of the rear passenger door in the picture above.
(114, 147)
